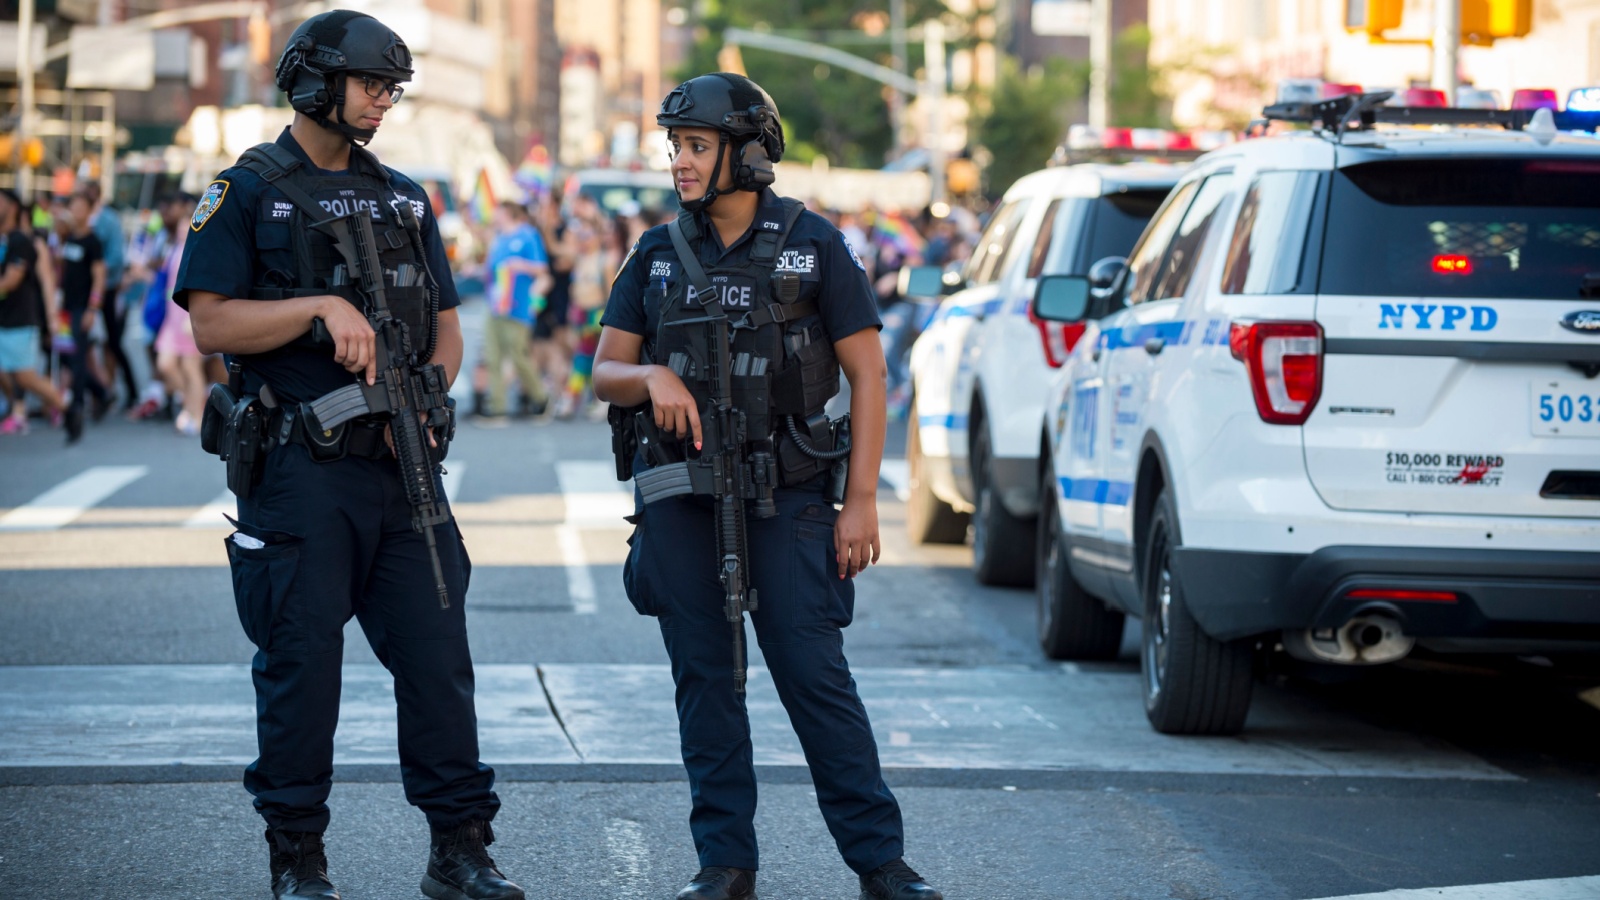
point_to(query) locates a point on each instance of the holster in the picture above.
(624, 439)
(235, 428)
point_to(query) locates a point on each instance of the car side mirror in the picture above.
(1105, 272)
(922, 281)
(1061, 298)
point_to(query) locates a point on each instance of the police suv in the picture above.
(981, 369)
(1343, 400)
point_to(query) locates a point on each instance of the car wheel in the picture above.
(1193, 684)
(1072, 623)
(929, 520)
(1002, 544)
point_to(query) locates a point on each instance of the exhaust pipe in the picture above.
(1368, 639)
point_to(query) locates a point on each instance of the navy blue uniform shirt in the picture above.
(240, 231)
(829, 270)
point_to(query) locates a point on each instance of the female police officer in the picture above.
(325, 528)
(724, 134)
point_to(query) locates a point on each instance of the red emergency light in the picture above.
(1431, 97)
(1452, 264)
(1534, 98)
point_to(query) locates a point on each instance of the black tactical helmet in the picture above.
(327, 47)
(742, 113)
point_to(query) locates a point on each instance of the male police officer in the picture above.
(325, 528)
(747, 248)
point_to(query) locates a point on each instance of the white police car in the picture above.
(1344, 399)
(981, 368)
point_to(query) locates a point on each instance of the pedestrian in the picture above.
(324, 528)
(22, 317)
(178, 358)
(591, 280)
(552, 347)
(114, 308)
(83, 281)
(518, 281)
(724, 135)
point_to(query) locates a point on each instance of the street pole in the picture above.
(1446, 47)
(1100, 64)
(933, 59)
(897, 100)
(25, 82)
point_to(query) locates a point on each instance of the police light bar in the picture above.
(1357, 112)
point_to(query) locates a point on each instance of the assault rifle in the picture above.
(735, 464)
(405, 389)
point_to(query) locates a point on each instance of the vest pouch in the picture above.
(410, 305)
(810, 376)
(795, 467)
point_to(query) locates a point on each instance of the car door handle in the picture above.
(1154, 346)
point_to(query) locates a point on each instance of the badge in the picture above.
(209, 202)
(853, 257)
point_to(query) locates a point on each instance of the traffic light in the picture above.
(1374, 16)
(1482, 21)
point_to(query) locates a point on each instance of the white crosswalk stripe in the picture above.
(1547, 889)
(211, 515)
(68, 500)
(594, 499)
(453, 471)
(995, 718)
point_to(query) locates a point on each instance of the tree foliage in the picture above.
(1027, 117)
(825, 110)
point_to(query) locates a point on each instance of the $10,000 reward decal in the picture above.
(1447, 469)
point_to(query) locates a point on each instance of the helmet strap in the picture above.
(358, 136)
(712, 192)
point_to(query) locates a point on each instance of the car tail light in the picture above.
(1534, 98)
(1284, 361)
(1058, 338)
(1404, 596)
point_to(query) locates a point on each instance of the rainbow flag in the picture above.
(536, 173)
(897, 231)
(483, 199)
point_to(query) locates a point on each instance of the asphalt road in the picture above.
(125, 718)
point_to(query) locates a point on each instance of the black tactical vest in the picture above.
(313, 197)
(775, 331)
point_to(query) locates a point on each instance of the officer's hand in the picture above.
(388, 433)
(354, 341)
(674, 406)
(855, 536)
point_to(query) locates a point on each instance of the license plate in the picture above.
(1566, 408)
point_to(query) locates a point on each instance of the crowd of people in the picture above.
(547, 271)
(80, 291)
(75, 289)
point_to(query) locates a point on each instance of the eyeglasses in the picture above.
(377, 87)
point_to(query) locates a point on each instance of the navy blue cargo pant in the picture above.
(671, 573)
(339, 543)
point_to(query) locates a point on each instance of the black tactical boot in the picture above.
(459, 867)
(721, 883)
(896, 881)
(299, 865)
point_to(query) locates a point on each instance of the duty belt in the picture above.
(360, 437)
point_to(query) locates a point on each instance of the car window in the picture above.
(1152, 248)
(1117, 222)
(993, 247)
(1041, 243)
(1178, 268)
(1470, 228)
(1269, 238)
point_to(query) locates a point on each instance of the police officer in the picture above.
(324, 528)
(725, 134)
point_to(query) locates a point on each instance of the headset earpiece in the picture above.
(755, 167)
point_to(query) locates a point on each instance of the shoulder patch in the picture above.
(852, 251)
(209, 203)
